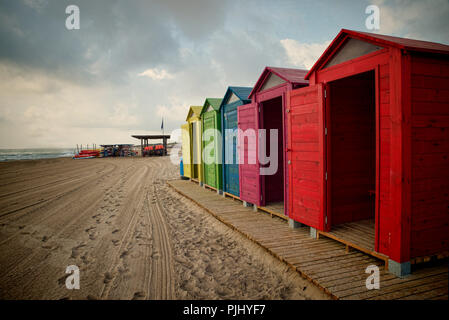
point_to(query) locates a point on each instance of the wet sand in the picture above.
(131, 236)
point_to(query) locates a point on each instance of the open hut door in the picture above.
(248, 124)
(306, 156)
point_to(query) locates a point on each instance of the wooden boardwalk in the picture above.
(360, 233)
(323, 261)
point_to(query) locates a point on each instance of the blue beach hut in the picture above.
(234, 97)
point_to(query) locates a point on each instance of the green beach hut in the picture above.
(211, 144)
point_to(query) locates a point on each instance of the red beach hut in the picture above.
(369, 146)
(267, 110)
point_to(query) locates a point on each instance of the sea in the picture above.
(35, 153)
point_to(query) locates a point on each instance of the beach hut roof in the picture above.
(240, 92)
(294, 76)
(194, 110)
(380, 40)
(213, 102)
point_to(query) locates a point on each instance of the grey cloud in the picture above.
(197, 19)
(116, 37)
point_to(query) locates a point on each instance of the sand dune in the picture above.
(131, 236)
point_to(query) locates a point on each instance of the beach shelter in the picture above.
(192, 156)
(186, 150)
(233, 99)
(211, 144)
(261, 183)
(369, 146)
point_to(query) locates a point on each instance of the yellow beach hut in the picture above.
(191, 145)
(186, 154)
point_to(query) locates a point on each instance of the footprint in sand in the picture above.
(223, 292)
(124, 254)
(138, 295)
(156, 255)
(75, 250)
(107, 277)
(85, 259)
(89, 229)
(115, 231)
(115, 242)
(61, 280)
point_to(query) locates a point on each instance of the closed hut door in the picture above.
(231, 167)
(248, 123)
(209, 147)
(306, 156)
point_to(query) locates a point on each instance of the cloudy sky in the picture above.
(132, 62)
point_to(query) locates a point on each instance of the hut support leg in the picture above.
(294, 224)
(247, 204)
(219, 191)
(313, 233)
(399, 269)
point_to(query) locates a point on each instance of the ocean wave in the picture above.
(34, 154)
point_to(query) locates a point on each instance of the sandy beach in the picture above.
(129, 233)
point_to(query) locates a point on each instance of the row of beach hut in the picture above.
(363, 143)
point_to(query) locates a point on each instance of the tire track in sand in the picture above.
(162, 276)
(147, 238)
(117, 268)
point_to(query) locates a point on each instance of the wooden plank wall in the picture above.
(230, 170)
(210, 168)
(385, 201)
(248, 118)
(186, 154)
(430, 155)
(306, 203)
